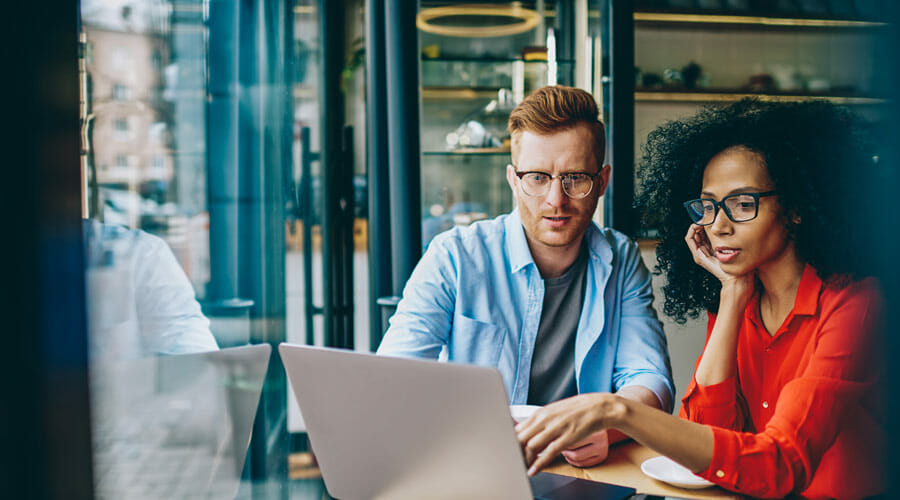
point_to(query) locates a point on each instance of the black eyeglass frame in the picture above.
(562, 180)
(721, 204)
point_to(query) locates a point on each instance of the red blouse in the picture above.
(803, 415)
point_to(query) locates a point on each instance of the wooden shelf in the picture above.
(722, 96)
(469, 151)
(303, 91)
(460, 93)
(482, 60)
(731, 20)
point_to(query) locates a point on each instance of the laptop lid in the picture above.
(175, 426)
(389, 428)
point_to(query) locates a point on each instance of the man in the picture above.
(140, 302)
(559, 305)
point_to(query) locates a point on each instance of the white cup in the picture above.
(521, 413)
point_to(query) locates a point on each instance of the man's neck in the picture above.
(552, 262)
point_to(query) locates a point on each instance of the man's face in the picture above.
(555, 220)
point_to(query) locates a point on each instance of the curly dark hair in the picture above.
(814, 152)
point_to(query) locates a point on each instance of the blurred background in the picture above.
(295, 157)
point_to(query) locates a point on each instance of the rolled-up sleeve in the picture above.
(421, 326)
(811, 413)
(719, 404)
(642, 356)
(716, 405)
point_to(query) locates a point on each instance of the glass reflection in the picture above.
(140, 301)
(175, 426)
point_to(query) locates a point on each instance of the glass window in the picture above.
(120, 92)
(185, 236)
(470, 84)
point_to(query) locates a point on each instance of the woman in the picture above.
(785, 395)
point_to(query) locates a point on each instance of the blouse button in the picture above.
(720, 473)
(765, 404)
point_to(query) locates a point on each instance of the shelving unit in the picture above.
(670, 18)
(791, 51)
(795, 58)
(470, 152)
(726, 96)
(470, 79)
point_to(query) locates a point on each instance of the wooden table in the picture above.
(623, 467)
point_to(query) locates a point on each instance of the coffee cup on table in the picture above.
(521, 413)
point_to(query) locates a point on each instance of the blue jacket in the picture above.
(478, 294)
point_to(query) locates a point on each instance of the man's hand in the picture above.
(590, 452)
(563, 425)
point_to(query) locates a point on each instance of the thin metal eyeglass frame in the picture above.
(721, 204)
(561, 178)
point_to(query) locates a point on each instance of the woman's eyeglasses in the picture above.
(739, 207)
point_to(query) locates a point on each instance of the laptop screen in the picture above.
(175, 426)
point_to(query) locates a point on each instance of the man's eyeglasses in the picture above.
(739, 207)
(576, 185)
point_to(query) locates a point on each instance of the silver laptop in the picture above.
(175, 426)
(393, 428)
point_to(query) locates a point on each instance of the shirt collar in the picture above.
(520, 253)
(806, 302)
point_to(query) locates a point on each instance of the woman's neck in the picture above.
(780, 281)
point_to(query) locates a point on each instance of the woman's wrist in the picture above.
(735, 292)
(614, 409)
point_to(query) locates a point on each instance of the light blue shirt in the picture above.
(478, 293)
(139, 300)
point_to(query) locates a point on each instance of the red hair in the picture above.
(556, 108)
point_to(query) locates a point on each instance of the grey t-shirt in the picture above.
(553, 361)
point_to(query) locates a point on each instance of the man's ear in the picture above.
(511, 178)
(603, 179)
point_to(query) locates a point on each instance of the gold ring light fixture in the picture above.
(429, 20)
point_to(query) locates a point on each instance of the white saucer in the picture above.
(668, 471)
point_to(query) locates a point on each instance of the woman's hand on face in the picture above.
(703, 253)
(705, 257)
(560, 426)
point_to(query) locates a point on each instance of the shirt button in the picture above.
(720, 473)
(765, 404)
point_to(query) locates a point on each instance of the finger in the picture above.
(581, 453)
(580, 462)
(700, 241)
(693, 240)
(587, 462)
(701, 251)
(577, 459)
(581, 444)
(543, 459)
(537, 444)
(689, 236)
(527, 430)
(703, 242)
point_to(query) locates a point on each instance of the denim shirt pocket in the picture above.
(476, 342)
